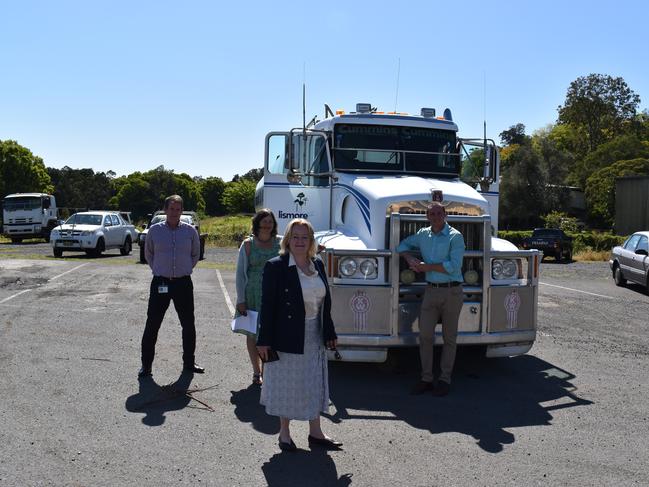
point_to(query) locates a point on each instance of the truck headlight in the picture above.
(504, 269)
(347, 266)
(368, 267)
(86, 233)
(358, 267)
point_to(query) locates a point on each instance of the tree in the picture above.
(212, 190)
(21, 171)
(522, 194)
(239, 196)
(254, 175)
(135, 195)
(603, 106)
(81, 188)
(514, 135)
(600, 189)
(622, 148)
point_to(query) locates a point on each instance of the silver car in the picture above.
(630, 261)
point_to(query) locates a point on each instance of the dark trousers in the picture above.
(181, 292)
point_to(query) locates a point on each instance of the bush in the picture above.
(559, 219)
(582, 241)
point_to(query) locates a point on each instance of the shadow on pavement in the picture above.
(314, 468)
(248, 410)
(487, 396)
(154, 400)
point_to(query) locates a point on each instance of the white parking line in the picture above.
(17, 294)
(49, 280)
(228, 301)
(66, 272)
(577, 290)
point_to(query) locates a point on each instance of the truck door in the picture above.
(296, 181)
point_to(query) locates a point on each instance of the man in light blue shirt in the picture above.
(442, 250)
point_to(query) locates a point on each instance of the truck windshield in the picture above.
(77, 219)
(21, 203)
(384, 148)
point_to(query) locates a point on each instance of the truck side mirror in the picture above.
(46, 203)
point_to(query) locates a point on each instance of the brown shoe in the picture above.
(441, 389)
(421, 387)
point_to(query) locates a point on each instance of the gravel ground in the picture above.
(571, 412)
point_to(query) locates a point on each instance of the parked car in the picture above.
(630, 260)
(190, 217)
(93, 232)
(551, 241)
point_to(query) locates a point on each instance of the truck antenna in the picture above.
(396, 96)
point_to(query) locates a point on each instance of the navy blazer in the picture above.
(282, 316)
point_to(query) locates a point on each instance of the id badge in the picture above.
(163, 289)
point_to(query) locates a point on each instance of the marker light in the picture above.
(340, 112)
(428, 112)
(363, 107)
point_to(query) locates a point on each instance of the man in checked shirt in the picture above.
(172, 249)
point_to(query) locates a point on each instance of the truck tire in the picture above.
(142, 258)
(201, 255)
(128, 246)
(618, 277)
(101, 246)
(569, 256)
(58, 253)
(16, 240)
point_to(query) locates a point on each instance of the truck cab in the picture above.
(364, 180)
(28, 215)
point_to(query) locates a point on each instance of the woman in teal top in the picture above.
(262, 246)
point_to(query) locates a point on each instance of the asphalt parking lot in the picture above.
(571, 412)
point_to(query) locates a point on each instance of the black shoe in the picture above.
(328, 443)
(441, 389)
(287, 446)
(144, 372)
(421, 387)
(195, 368)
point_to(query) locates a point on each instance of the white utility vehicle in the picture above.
(28, 215)
(364, 180)
(93, 232)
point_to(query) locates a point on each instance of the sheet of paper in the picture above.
(247, 323)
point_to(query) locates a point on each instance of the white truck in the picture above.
(364, 180)
(28, 215)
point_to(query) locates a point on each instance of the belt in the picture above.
(445, 284)
(172, 278)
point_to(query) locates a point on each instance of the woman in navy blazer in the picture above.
(295, 321)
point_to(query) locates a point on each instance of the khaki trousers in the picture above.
(444, 303)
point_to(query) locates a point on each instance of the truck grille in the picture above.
(70, 233)
(472, 232)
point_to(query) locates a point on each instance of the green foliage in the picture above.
(212, 190)
(561, 220)
(254, 175)
(239, 196)
(514, 135)
(623, 148)
(582, 241)
(227, 231)
(21, 171)
(144, 193)
(600, 189)
(515, 236)
(602, 106)
(81, 188)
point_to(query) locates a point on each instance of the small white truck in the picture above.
(93, 232)
(28, 215)
(363, 180)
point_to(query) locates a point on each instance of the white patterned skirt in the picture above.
(297, 385)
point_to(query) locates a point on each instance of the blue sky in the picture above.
(196, 85)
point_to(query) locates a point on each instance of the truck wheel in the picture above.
(101, 246)
(16, 240)
(569, 256)
(126, 249)
(618, 276)
(142, 258)
(58, 253)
